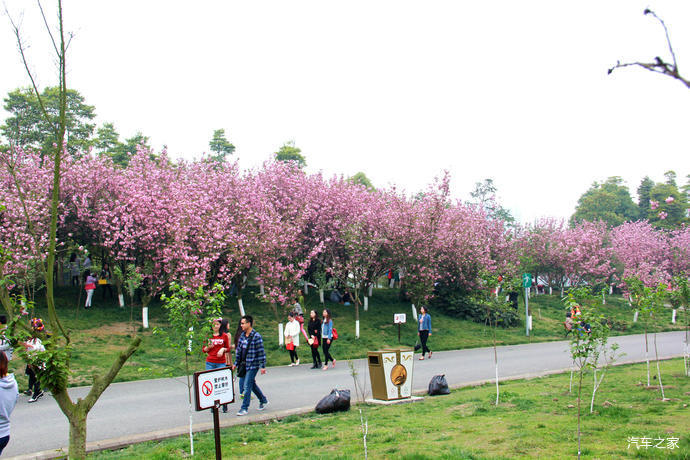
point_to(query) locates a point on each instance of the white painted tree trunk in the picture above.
(611, 289)
(321, 295)
(366, 303)
(121, 297)
(280, 334)
(507, 298)
(357, 329)
(371, 289)
(550, 290)
(306, 288)
(594, 392)
(635, 316)
(189, 342)
(145, 317)
(498, 288)
(414, 312)
(261, 289)
(241, 305)
(646, 357)
(562, 291)
(673, 317)
(392, 283)
(529, 319)
(603, 298)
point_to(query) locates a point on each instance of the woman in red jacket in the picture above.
(217, 348)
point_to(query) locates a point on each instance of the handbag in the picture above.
(290, 346)
(335, 334)
(242, 369)
(90, 286)
(102, 281)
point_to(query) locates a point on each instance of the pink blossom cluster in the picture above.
(195, 223)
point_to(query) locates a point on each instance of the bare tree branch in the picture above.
(659, 65)
(45, 21)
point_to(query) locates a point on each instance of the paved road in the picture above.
(158, 408)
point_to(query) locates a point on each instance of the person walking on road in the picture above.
(34, 345)
(314, 332)
(424, 331)
(218, 347)
(250, 353)
(292, 330)
(327, 338)
(9, 393)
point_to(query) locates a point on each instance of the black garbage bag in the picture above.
(438, 385)
(338, 400)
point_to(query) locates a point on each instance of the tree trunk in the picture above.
(321, 296)
(77, 434)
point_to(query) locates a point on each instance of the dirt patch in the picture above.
(121, 328)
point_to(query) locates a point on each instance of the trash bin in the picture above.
(390, 373)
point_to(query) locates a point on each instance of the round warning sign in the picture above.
(207, 388)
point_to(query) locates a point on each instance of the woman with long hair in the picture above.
(217, 348)
(424, 331)
(292, 330)
(314, 332)
(326, 338)
(9, 394)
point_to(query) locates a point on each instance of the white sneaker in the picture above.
(297, 363)
(242, 412)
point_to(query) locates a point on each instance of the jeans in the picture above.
(210, 366)
(247, 385)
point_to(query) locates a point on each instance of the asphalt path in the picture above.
(154, 409)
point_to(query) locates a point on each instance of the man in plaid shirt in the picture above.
(250, 349)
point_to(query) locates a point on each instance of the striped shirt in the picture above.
(256, 356)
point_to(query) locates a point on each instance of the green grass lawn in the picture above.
(535, 418)
(99, 333)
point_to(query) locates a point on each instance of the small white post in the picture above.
(239, 302)
(121, 297)
(145, 316)
(366, 303)
(673, 317)
(357, 329)
(321, 295)
(280, 334)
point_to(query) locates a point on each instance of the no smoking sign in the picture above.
(213, 385)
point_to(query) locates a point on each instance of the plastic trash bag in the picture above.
(337, 400)
(438, 386)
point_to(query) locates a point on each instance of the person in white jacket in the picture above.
(291, 333)
(9, 393)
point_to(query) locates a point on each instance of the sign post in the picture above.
(399, 318)
(213, 388)
(526, 283)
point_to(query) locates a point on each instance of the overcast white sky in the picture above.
(514, 91)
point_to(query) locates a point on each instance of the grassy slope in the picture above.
(99, 333)
(533, 420)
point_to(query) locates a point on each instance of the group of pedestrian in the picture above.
(250, 357)
(319, 333)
